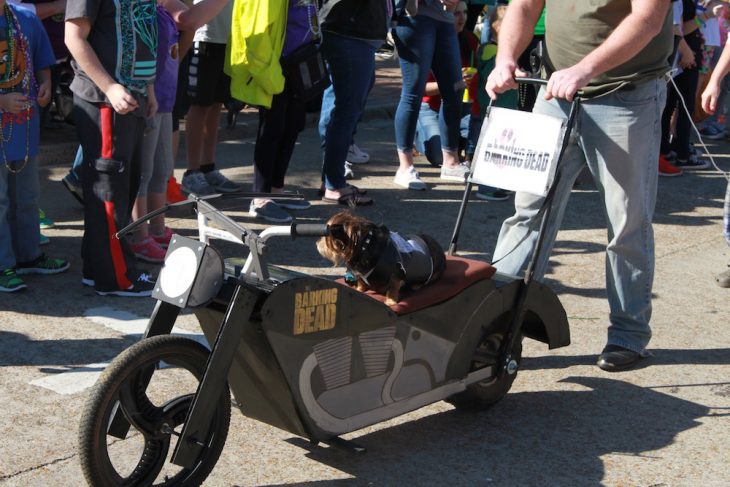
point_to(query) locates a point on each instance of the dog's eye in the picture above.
(340, 244)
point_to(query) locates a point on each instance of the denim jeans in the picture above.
(617, 137)
(351, 63)
(427, 45)
(428, 133)
(19, 227)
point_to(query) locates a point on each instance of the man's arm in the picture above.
(48, 9)
(77, 33)
(515, 35)
(631, 36)
(190, 18)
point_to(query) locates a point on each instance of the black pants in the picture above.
(110, 180)
(279, 127)
(686, 82)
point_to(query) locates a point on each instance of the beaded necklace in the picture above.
(17, 41)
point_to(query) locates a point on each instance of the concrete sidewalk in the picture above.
(565, 422)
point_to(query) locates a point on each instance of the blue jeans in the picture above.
(19, 227)
(77, 164)
(428, 132)
(617, 137)
(426, 45)
(351, 64)
(726, 215)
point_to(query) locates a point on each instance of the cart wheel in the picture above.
(152, 383)
(485, 394)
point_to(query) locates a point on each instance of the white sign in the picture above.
(518, 151)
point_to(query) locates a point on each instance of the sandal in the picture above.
(354, 188)
(352, 199)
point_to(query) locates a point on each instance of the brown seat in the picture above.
(460, 273)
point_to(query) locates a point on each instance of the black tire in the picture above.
(485, 394)
(127, 384)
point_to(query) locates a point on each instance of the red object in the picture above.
(115, 247)
(666, 168)
(106, 131)
(174, 194)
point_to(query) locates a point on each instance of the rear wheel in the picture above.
(152, 384)
(485, 394)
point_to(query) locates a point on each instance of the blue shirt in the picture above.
(19, 127)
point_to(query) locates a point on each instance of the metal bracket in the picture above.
(198, 422)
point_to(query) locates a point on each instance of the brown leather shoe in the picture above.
(615, 359)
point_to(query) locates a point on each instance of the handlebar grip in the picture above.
(531, 81)
(309, 230)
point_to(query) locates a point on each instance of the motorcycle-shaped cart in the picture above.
(306, 354)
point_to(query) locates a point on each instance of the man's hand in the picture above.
(44, 93)
(502, 78)
(13, 102)
(566, 82)
(121, 100)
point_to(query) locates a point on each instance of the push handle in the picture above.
(531, 81)
(309, 230)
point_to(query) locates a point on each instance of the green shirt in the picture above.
(575, 28)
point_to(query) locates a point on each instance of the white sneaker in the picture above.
(349, 173)
(355, 155)
(409, 179)
(456, 173)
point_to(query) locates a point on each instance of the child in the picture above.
(709, 104)
(25, 86)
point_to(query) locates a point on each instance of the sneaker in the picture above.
(409, 179)
(271, 212)
(174, 194)
(44, 221)
(141, 287)
(692, 162)
(671, 156)
(196, 183)
(148, 250)
(349, 173)
(42, 265)
(221, 183)
(294, 204)
(457, 173)
(355, 155)
(710, 132)
(488, 193)
(668, 169)
(10, 282)
(44, 240)
(164, 239)
(73, 186)
(86, 281)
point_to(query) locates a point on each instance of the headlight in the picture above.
(192, 274)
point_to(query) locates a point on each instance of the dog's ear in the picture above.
(339, 235)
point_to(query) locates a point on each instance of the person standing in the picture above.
(614, 55)
(25, 87)
(114, 46)
(427, 42)
(351, 31)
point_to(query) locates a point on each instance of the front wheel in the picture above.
(152, 384)
(485, 394)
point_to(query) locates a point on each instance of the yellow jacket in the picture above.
(254, 49)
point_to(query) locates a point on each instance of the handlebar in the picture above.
(531, 81)
(309, 230)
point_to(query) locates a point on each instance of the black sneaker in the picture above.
(141, 287)
(692, 162)
(42, 265)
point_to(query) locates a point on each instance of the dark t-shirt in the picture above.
(124, 37)
(574, 29)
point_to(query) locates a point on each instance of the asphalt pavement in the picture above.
(565, 422)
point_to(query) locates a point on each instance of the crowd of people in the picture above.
(140, 68)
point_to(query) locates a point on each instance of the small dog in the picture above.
(379, 259)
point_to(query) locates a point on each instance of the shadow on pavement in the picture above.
(530, 438)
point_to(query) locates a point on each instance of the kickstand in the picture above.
(346, 445)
